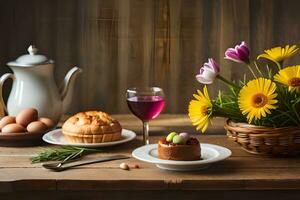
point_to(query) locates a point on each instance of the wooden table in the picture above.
(243, 176)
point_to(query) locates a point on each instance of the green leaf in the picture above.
(61, 154)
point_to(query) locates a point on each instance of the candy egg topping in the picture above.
(184, 138)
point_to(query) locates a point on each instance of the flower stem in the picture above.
(270, 73)
(227, 82)
(279, 64)
(257, 69)
(251, 70)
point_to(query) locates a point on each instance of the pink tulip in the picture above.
(238, 54)
(208, 72)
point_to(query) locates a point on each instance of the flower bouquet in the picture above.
(262, 110)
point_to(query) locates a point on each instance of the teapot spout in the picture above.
(67, 87)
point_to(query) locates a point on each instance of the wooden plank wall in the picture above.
(123, 43)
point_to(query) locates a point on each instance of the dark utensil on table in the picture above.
(60, 166)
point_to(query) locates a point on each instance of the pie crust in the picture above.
(91, 127)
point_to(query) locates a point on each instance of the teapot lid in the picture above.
(30, 59)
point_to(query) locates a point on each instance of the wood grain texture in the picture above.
(242, 171)
(152, 194)
(125, 43)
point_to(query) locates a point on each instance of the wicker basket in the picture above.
(265, 140)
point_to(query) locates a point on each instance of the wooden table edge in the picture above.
(143, 185)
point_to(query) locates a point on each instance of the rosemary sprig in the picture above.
(61, 154)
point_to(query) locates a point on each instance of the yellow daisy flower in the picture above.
(257, 98)
(289, 76)
(278, 54)
(200, 109)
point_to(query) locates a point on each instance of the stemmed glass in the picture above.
(146, 104)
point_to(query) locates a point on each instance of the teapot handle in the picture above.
(3, 78)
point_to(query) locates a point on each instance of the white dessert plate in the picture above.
(210, 153)
(56, 137)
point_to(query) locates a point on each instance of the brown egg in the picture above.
(7, 120)
(36, 127)
(13, 128)
(26, 116)
(49, 123)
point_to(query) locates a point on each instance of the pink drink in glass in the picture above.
(146, 107)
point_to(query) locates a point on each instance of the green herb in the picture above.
(62, 154)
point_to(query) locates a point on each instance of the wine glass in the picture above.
(146, 104)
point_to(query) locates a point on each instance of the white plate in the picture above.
(210, 153)
(56, 137)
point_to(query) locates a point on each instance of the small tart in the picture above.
(183, 152)
(91, 127)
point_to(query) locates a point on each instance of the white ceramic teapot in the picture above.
(34, 86)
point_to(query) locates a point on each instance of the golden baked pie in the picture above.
(91, 127)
